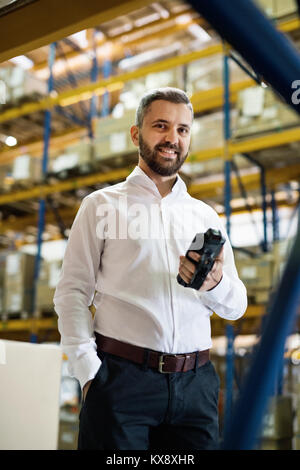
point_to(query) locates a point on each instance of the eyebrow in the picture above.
(168, 122)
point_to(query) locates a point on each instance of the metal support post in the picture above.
(41, 218)
(227, 163)
(107, 71)
(94, 78)
(275, 218)
(229, 376)
(264, 199)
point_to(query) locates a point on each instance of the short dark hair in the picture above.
(174, 95)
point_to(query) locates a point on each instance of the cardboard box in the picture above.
(278, 8)
(260, 110)
(112, 136)
(21, 83)
(74, 156)
(256, 272)
(18, 282)
(30, 376)
(26, 168)
(47, 282)
(207, 73)
(44, 297)
(208, 131)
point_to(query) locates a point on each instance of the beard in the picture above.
(169, 167)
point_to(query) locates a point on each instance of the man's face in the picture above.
(165, 135)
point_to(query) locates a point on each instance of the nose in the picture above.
(171, 136)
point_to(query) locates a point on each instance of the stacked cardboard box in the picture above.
(26, 169)
(257, 274)
(18, 282)
(112, 136)
(20, 83)
(260, 110)
(277, 432)
(208, 131)
(48, 279)
(134, 89)
(207, 73)
(75, 156)
(278, 8)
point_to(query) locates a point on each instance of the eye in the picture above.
(183, 130)
(160, 125)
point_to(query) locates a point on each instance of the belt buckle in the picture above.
(161, 363)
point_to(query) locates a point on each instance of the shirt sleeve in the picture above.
(75, 291)
(228, 299)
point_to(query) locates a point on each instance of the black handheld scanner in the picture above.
(208, 245)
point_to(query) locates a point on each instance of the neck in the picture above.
(164, 184)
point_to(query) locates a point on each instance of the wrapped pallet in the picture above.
(207, 73)
(260, 110)
(48, 279)
(20, 83)
(26, 169)
(18, 283)
(112, 136)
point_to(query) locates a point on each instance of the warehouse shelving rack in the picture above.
(203, 101)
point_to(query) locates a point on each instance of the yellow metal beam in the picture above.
(30, 324)
(45, 21)
(113, 83)
(202, 101)
(208, 189)
(257, 143)
(41, 191)
(289, 25)
(37, 324)
(274, 176)
(147, 30)
(251, 144)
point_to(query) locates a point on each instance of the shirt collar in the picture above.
(139, 177)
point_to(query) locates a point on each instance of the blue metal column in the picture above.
(94, 78)
(107, 71)
(227, 163)
(229, 376)
(263, 187)
(227, 201)
(269, 52)
(41, 218)
(275, 218)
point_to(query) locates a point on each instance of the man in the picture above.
(143, 361)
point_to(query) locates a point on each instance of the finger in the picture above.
(194, 255)
(186, 272)
(189, 265)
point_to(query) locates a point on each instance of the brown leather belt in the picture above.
(164, 363)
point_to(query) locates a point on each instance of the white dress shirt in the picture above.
(124, 245)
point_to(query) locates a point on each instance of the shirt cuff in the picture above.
(86, 368)
(219, 292)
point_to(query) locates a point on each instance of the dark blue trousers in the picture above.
(132, 407)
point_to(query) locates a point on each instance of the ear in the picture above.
(134, 132)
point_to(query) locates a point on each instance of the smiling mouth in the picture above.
(167, 152)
